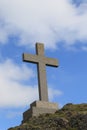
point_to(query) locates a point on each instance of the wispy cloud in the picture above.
(13, 114)
(54, 93)
(48, 21)
(84, 48)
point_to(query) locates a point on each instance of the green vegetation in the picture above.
(70, 117)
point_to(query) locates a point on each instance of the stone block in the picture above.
(39, 107)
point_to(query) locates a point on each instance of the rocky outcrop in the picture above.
(70, 117)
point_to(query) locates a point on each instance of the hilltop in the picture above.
(70, 117)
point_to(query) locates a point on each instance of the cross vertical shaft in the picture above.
(42, 82)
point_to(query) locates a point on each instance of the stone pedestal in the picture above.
(39, 107)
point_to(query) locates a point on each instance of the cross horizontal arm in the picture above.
(51, 62)
(30, 58)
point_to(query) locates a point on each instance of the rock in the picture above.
(70, 117)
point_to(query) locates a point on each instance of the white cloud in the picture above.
(48, 21)
(13, 92)
(9, 70)
(54, 93)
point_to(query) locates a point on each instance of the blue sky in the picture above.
(61, 26)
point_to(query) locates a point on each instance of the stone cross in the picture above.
(41, 62)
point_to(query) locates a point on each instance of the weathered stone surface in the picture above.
(41, 62)
(39, 107)
(43, 104)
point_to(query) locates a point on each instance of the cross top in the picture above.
(41, 62)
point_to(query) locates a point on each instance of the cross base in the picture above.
(39, 107)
